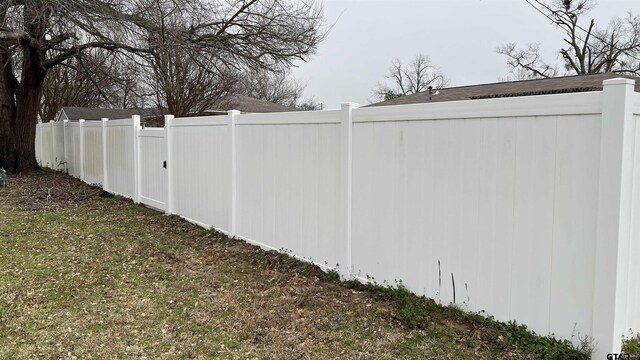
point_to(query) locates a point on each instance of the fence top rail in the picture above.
(541, 105)
(636, 103)
(119, 122)
(212, 120)
(47, 124)
(73, 124)
(92, 123)
(151, 132)
(289, 118)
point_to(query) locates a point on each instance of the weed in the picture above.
(412, 313)
(631, 345)
(307, 268)
(333, 276)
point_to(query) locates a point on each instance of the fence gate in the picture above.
(153, 171)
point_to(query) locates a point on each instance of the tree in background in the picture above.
(95, 80)
(276, 86)
(589, 48)
(412, 78)
(181, 86)
(309, 105)
(37, 36)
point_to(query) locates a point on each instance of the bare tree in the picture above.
(275, 86)
(181, 86)
(589, 48)
(309, 105)
(95, 80)
(413, 78)
(39, 35)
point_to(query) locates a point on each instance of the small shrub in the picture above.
(333, 276)
(631, 345)
(306, 268)
(412, 313)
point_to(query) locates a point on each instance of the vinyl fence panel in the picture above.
(57, 137)
(288, 184)
(72, 146)
(120, 156)
(46, 145)
(153, 172)
(492, 213)
(633, 282)
(92, 157)
(201, 161)
(38, 144)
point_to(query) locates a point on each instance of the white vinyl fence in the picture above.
(527, 208)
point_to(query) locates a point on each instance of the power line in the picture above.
(579, 27)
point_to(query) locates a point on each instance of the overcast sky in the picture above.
(460, 36)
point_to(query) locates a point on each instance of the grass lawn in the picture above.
(88, 277)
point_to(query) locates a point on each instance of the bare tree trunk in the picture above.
(18, 123)
(28, 99)
(7, 106)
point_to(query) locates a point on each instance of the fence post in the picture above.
(232, 132)
(64, 147)
(346, 154)
(38, 144)
(105, 175)
(53, 146)
(168, 123)
(136, 159)
(81, 135)
(41, 144)
(617, 143)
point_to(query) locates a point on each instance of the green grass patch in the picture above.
(89, 277)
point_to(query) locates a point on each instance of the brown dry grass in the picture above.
(87, 277)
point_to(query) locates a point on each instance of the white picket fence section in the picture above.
(526, 208)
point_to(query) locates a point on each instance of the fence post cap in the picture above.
(618, 81)
(233, 112)
(349, 105)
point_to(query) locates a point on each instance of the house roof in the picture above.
(77, 113)
(247, 104)
(566, 84)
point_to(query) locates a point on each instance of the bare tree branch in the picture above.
(214, 37)
(588, 49)
(416, 77)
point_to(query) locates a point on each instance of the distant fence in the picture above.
(527, 208)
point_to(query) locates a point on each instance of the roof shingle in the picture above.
(567, 84)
